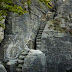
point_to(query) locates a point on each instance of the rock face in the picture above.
(34, 62)
(31, 61)
(2, 24)
(2, 68)
(57, 47)
(2, 30)
(20, 33)
(1, 34)
(56, 40)
(27, 31)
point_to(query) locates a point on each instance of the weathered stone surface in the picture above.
(2, 30)
(21, 30)
(34, 62)
(57, 44)
(57, 47)
(1, 34)
(2, 68)
(11, 65)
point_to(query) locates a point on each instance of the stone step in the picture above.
(40, 33)
(38, 37)
(20, 61)
(38, 46)
(38, 43)
(38, 40)
(24, 53)
(18, 69)
(21, 57)
(20, 65)
(42, 26)
(40, 30)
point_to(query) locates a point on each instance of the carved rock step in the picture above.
(24, 53)
(42, 25)
(21, 57)
(38, 37)
(40, 30)
(38, 46)
(20, 66)
(39, 34)
(34, 62)
(38, 43)
(38, 40)
(18, 69)
(20, 61)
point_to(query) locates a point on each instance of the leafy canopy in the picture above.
(10, 6)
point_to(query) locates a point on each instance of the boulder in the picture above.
(20, 31)
(2, 68)
(34, 62)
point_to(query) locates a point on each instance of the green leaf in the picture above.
(1, 25)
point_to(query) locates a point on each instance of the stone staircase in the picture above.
(38, 38)
(20, 61)
(23, 55)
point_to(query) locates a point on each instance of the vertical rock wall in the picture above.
(20, 33)
(56, 40)
(2, 37)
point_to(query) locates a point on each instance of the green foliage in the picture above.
(1, 25)
(10, 6)
(47, 3)
(7, 5)
(28, 2)
(57, 27)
